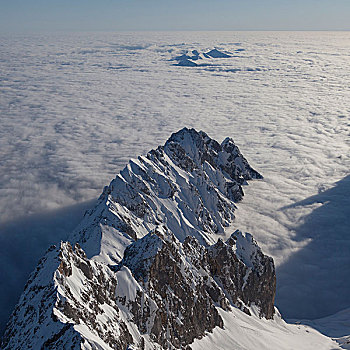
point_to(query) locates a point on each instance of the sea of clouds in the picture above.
(75, 107)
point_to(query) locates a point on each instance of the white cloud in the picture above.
(69, 123)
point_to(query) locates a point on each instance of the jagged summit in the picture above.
(190, 184)
(148, 271)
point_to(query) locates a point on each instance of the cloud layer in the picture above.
(75, 107)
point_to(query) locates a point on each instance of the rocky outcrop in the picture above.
(184, 309)
(185, 282)
(246, 275)
(68, 301)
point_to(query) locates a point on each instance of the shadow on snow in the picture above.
(314, 282)
(24, 241)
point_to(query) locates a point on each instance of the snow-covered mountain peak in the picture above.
(148, 271)
(190, 185)
(194, 58)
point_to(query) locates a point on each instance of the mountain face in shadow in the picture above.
(315, 282)
(23, 242)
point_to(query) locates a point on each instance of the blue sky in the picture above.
(106, 15)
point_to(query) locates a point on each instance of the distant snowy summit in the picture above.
(148, 270)
(195, 58)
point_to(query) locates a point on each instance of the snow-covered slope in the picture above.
(154, 276)
(336, 326)
(242, 332)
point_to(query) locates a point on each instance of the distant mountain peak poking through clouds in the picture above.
(194, 58)
(152, 267)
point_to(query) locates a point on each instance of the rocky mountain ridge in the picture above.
(190, 184)
(147, 271)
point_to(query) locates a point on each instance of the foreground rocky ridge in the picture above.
(153, 275)
(163, 294)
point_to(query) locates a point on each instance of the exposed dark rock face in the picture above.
(247, 278)
(186, 281)
(185, 311)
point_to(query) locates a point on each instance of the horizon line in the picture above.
(166, 30)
